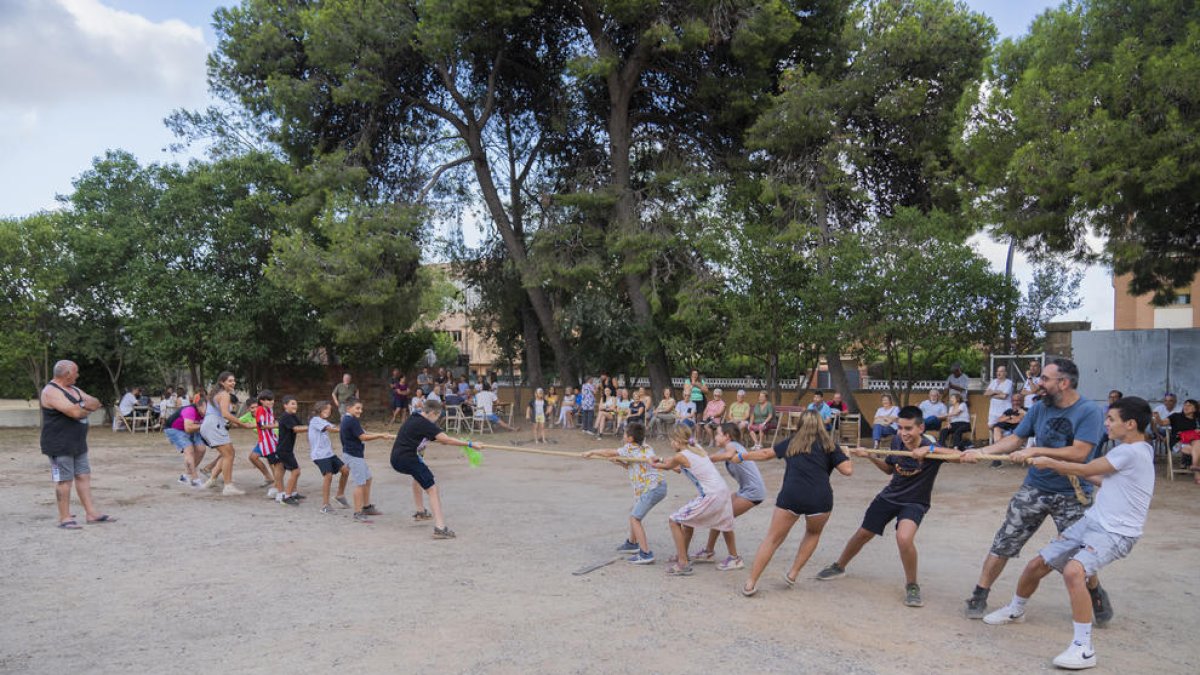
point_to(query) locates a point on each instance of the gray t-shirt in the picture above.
(749, 480)
(344, 392)
(959, 381)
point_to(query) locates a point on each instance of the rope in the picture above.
(932, 455)
(556, 453)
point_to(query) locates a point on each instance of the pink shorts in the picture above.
(757, 427)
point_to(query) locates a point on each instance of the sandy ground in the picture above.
(189, 581)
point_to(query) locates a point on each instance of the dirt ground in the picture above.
(188, 581)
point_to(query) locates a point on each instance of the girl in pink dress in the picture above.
(711, 509)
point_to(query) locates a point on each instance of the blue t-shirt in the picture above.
(824, 411)
(1060, 428)
(350, 431)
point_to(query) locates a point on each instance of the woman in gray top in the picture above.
(215, 431)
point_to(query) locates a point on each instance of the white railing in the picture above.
(872, 384)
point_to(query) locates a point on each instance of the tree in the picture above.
(32, 281)
(1053, 291)
(1090, 123)
(863, 133)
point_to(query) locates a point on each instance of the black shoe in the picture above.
(976, 606)
(1101, 606)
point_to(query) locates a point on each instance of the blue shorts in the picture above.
(648, 500)
(257, 450)
(494, 419)
(328, 465)
(182, 440)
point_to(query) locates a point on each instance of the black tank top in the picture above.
(63, 435)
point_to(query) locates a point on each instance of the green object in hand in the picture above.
(248, 418)
(474, 457)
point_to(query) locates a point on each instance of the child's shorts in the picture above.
(182, 440)
(882, 511)
(257, 450)
(1085, 541)
(360, 473)
(648, 500)
(285, 457)
(541, 419)
(415, 467)
(328, 465)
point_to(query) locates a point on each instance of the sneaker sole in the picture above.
(831, 577)
(910, 603)
(641, 562)
(1005, 620)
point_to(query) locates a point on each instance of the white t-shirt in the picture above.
(539, 409)
(997, 406)
(1031, 384)
(486, 400)
(893, 411)
(964, 415)
(128, 401)
(931, 409)
(684, 409)
(433, 397)
(1124, 497)
(318, 440)
(1160, 410)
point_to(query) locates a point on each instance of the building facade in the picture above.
(1136, 313)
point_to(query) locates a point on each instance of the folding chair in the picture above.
(454, 418)
(480, 423)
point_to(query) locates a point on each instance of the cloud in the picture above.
(68, 51)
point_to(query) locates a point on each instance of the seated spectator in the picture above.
(485, 407)
(1185, 432)
(435, 394)
(884, 423)
(837, 405)
(566, 411)
(125, 407)
(552, 398)
(452, 398)
(739, 411)
(169, 403)
(664, 414)
(1113, 396)
(623, 407)
(1032, 391)
(711, 418)
(1009, 419)
(417, 403)
(957, 382)
(822, 408)
(463, 387)
(761, 417)
(685, 409)
(959, 417)
(638, 408)
(934, 410)
(1161, 415)
(608, 411)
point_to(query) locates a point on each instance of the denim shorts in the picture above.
(1085, 541)
(648, 500)
(182, 440)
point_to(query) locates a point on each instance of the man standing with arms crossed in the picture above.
(65, 410)
(1066, 427)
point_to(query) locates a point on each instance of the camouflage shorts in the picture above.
(1027, 510)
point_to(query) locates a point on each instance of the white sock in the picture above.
(1017, 606)
(1083, 633)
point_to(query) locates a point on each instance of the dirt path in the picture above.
(189, 581)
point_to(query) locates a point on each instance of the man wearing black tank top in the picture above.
(65, 410)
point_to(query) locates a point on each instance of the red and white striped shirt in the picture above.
(264, 419)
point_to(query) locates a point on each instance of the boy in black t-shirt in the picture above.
(353, 438)
(411, 440)
(905, 499)
(284, 459)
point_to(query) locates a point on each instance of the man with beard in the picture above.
(1066, 427)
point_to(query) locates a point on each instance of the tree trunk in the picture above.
(773, 376)
(533, 348)
(1009, 328)
(837, 377)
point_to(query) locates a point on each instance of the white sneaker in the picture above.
(279, 497)
(183, 480)
(1002, 616)
(198, 483)
(272, 493)
(232, 491)
(1076, 657)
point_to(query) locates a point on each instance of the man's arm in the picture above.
(56, 400)
(1076, 452)
(1006, 445)
(333, 395)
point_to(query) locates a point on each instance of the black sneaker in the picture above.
(291, 500)
(976, 606)
(443, 533)
(1101, 606)
(832, 572)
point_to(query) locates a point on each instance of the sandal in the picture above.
(748, 592)
(675, 570)
(69, 525)
(102, 519)
(788, 580)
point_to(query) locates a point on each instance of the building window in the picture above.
(456, 335)
(1182, 299)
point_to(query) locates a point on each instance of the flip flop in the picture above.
(788, 580)
(102, 519)
(750, 592)
(69, 525)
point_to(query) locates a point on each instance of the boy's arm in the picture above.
(754, 455)
(880, 464)
(602, 453)
(1094, 471)
(725, 455)
(364, 437)
(1076, 452)
(446, 439)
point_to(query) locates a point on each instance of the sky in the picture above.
(85, 76)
